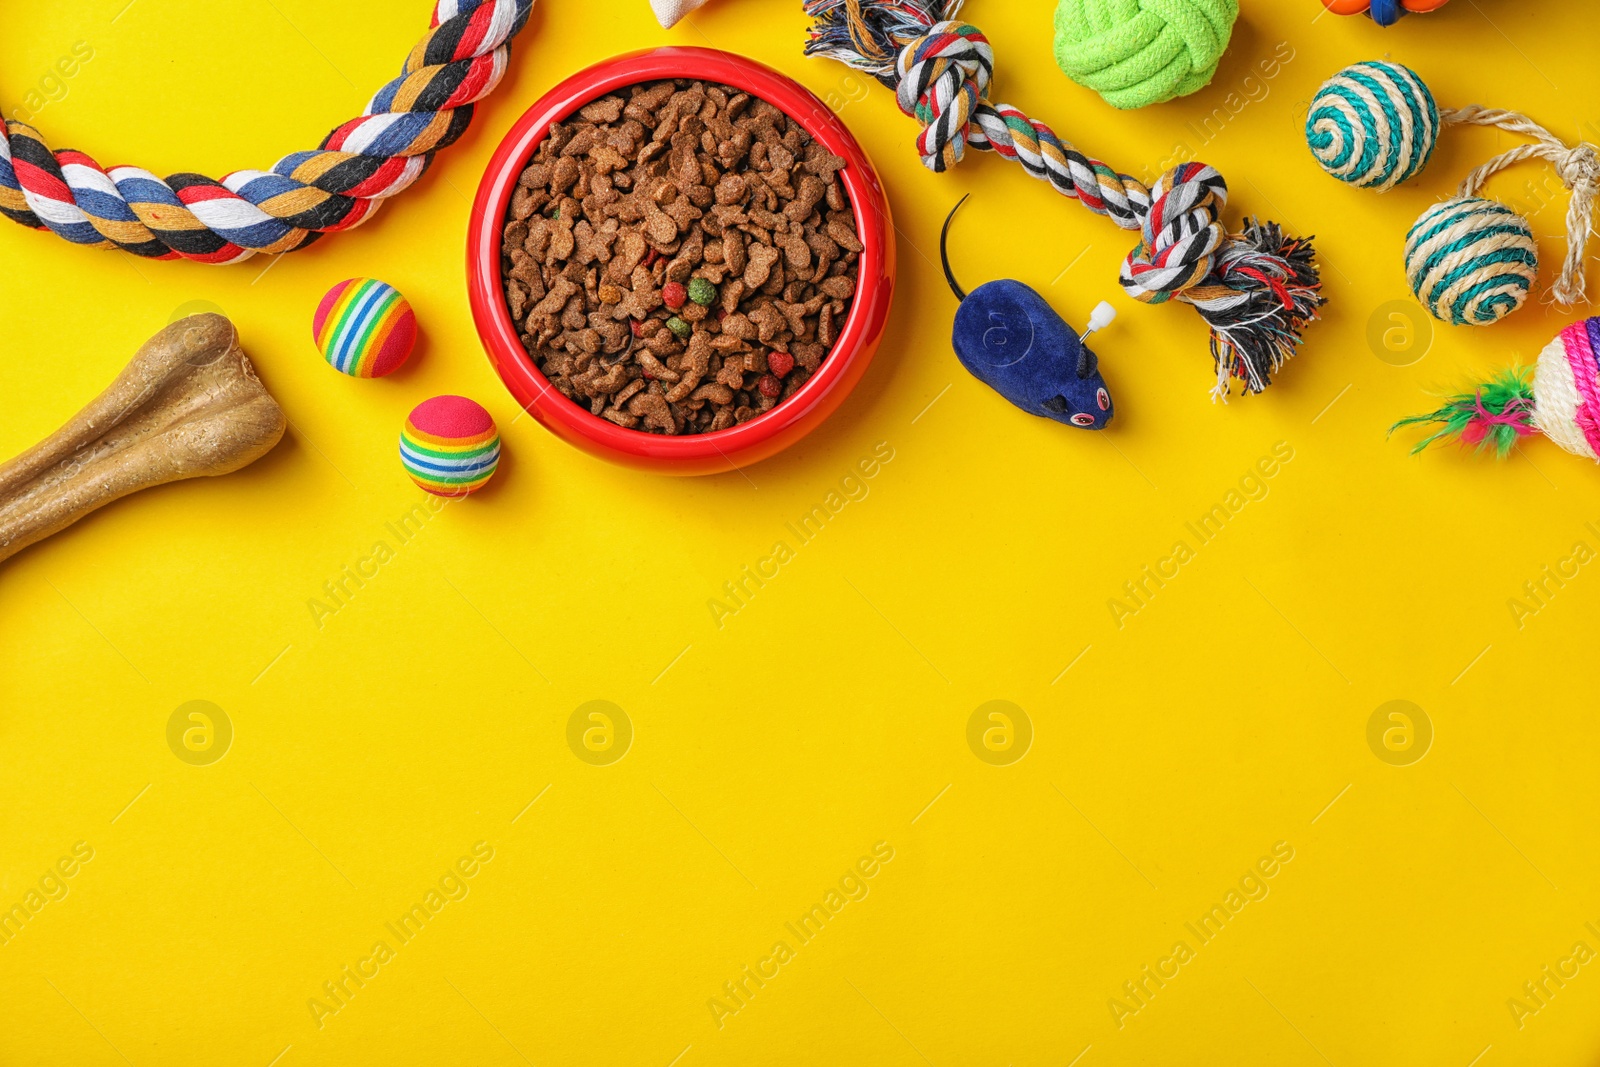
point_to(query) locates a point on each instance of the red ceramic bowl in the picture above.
(748, 442)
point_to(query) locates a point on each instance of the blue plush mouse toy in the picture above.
(1016, 344)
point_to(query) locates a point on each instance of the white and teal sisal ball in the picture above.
(1471, 261)
(1373, 125)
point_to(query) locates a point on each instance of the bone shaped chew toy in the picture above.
(1010, 339)
(188, 404)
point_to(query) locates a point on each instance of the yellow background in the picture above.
(830, 713)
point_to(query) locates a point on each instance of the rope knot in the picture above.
(943, 76)
(1139, 52)
(1579, 170)
(1580, 167)
(1257, 289)
(1180, 234)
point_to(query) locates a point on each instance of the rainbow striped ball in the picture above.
(364, 328)
(1471, 261)
(1373, 125)
(450, 446)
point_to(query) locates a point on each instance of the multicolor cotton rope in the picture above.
(1257, 290)
(305, 194)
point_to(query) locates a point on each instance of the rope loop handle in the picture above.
(304, 195)
(1578, 167)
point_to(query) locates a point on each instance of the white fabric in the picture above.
(670, 11)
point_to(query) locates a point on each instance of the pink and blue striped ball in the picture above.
(364, 328)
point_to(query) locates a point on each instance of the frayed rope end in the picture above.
(869, 34)
(1264, 291)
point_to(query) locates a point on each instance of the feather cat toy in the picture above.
(1560, 399)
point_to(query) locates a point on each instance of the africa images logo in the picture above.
(852, 886)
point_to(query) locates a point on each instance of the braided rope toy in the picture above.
(1561, 400)
(305, 194)
(1257, 290)
(1470, 260)
(1383, 12)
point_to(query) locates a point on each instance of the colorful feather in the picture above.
(1493, 416)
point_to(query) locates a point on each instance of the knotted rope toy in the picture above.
(305, 194)
(1561, 400)
(1139, 52)
(1470, 260)
(1383, 12)
(1256, 290)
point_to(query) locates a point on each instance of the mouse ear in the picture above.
(1088, 362)
(1056, 404)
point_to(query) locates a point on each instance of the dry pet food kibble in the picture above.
(680, 257)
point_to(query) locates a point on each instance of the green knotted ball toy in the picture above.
(1138, 52)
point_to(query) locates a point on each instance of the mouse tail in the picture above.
(944, 251)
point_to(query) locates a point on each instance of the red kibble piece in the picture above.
(770, 387)
(781, 363)
(674, 295)
(650, 260)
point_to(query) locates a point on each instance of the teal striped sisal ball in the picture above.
(1374, 125)
(1471, 261)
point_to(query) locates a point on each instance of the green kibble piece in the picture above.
(679, 327)
(702, 292)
